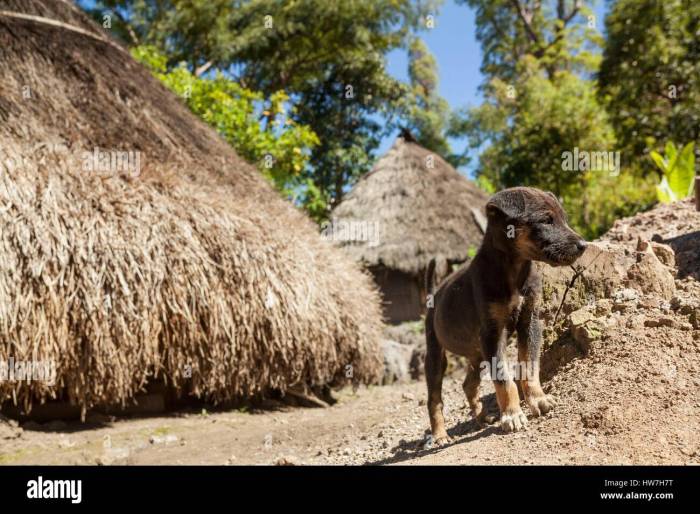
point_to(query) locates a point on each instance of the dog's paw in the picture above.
(482, 416)
(477, 411)
(513, 421)
(442, 441)
(436, 442)
(540, 405)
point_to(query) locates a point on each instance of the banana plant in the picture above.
(678, 170)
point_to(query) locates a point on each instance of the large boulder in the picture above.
(605, 271)
(404, 352)
(397, 359)
(598, 273)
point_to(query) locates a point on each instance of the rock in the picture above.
(683, 305)
(113, 456)
(667, 322)
(412, 335)
(676, 302)
(648, 303)
(625, 295)
(283, 461)
(156, 439)
(580, 317)
(408, 396)
(9, 428)
(623, 300)
(649, 275)
(605, 267)
(417, 364)
(664, 321)
(585, 327)
(665, 254)
(397, 359)
(694, 318)
(603, 307)
(635, 321)
(409, 334)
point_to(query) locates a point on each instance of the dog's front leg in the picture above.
(493, 346)
(529, 329)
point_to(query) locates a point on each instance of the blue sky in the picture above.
(453, 43)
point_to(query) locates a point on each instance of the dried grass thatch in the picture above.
(197, 265)
(421, 205)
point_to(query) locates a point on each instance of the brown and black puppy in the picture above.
(475, 310)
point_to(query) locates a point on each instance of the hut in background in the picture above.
(410, 208)
(180, 271)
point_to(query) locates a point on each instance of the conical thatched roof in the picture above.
(421, 206)
(195, 266)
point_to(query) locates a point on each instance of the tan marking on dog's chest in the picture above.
(507, 311)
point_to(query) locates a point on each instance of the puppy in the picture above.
(475, 310)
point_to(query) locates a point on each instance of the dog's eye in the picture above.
(548, 220)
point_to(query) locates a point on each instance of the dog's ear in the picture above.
(553, 196)
(506, 205)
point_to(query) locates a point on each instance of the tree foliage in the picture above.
(258, 128)
(540, 104)
(427, 114)
(328, 56)
(650, 74)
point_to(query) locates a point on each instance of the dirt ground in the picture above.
(629, 396)
(634, 399)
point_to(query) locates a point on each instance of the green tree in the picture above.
(258, 128)
(328, 56)
(427, 114)
(540, 105)
(559, 34)
(650, 74)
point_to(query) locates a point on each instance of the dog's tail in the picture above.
(436, 271)
(430, 276)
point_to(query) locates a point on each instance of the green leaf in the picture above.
(681, 177)
(664, 192)
(671, 156)
(660, 162)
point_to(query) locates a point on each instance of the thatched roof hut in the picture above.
(415, 207)
(191, 269)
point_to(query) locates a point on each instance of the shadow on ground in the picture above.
(464, 432)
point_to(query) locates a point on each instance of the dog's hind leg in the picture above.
(471, 389)
(435, 365)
